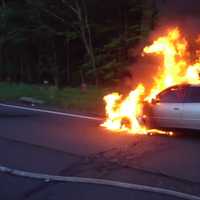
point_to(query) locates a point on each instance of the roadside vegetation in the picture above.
(77, 99)
(70, 44)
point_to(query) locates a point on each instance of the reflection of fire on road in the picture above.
(123, 113)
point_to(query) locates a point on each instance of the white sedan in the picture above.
(175, 107)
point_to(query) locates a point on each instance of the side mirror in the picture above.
(155, 101)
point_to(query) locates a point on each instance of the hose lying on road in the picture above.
(48, 178)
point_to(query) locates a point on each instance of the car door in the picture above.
(191, 108)
(167, 111)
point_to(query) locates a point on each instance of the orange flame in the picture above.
(123, 114)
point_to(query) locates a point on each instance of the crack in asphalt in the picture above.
(102, 164)
(40, 146)
(37, 189)
(115, 156)
(16, 115)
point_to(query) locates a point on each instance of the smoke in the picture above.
(185, 15)
(178, 8)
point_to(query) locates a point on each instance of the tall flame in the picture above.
(123, 113)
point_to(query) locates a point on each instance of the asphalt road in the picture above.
(39, 190)
(70, 146)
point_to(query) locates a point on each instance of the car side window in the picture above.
(192, 95)
(172, 95)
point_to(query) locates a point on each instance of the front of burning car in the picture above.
(146, 117)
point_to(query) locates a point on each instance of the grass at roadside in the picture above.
(70, 98)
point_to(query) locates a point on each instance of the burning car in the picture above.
(173, 100)
(175, 107)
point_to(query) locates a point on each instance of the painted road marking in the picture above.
(123, 185)
(52, 112)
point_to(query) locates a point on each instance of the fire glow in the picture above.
(123, 113)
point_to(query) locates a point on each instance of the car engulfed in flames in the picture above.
(125, 113)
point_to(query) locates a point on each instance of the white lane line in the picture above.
(52, 112)
(144, 188)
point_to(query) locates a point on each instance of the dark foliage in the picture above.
(70, 42)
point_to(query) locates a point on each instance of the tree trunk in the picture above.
(2, 56)
(85, 32)
(82, 77)
(147, 19)
(1, 62)
(68, 71)
(21, 70)
(3, 3)
(55, 67)
(91, 49)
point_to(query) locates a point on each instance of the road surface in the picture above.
(40, 190)
(73, 146)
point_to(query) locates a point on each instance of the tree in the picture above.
(70, 36)
(79, 9)
(148, 14)
(70, 41)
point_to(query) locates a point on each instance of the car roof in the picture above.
(184, 85)
(195, 85)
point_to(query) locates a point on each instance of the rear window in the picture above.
(192, 95)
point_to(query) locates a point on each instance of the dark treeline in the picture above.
(69, 42)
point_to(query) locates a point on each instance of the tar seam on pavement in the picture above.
(49, 178)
